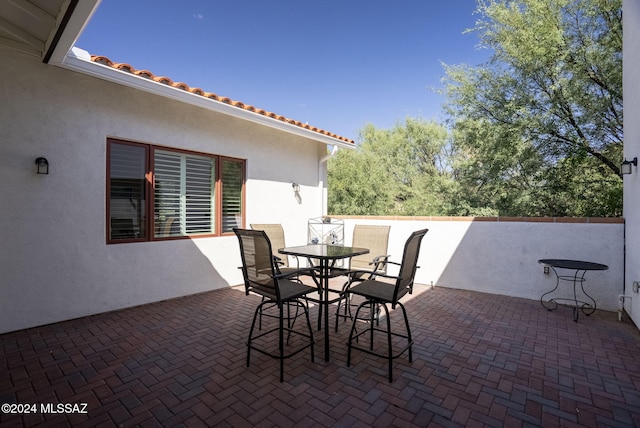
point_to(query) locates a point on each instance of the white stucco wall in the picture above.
(501, 257)
(631, 89)
(54, 262)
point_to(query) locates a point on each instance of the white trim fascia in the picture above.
(80, 61)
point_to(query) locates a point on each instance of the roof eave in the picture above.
(69, 26)
(80, 61)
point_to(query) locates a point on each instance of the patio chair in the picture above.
(262, 278)
(383, 293)
(376, 239)
(275, 232)
(167, 227)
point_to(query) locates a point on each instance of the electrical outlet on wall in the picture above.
(546, 270)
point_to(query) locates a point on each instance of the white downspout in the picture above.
(321, 175)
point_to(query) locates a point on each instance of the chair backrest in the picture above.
(167, 227)
(257, 263)
(409, 264)
(275, 232)
(376, 239)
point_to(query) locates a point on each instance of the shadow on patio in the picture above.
(479, 360)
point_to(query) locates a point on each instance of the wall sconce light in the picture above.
(43, 165)
(296, 187)
(625, 167)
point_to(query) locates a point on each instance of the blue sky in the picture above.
(336, 64)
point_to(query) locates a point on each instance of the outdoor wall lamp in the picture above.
(43, 165)
(625, 167)
(296, 187)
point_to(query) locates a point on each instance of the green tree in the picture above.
(400, 171)
(539, 127)
(357, 184)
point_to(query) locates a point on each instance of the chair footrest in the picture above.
(378, 354)
(277, 356)
(386, 356)
(361, 318)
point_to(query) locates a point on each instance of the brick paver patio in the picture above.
(479, 360)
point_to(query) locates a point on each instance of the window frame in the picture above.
(149, 191)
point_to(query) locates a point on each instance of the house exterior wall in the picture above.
(631, 95)
(54, 260)
(496, 256)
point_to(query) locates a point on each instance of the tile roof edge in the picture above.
(146, 74)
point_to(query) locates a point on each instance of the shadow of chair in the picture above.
(261, 277)
(384, 293)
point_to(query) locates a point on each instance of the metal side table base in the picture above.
(580, 268)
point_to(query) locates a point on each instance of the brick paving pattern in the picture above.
(479, 360)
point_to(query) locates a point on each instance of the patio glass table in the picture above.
(580, 268)
(326, 255)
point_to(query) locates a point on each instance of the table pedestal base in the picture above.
(587, 308)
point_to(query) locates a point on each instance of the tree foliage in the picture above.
(401, 171)
(535, 131)
(539, 126)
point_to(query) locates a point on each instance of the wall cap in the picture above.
(598, 220)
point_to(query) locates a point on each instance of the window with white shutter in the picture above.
(184, 186)
(184, 194)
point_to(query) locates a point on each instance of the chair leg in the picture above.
(353, 330)
(282, 326)
(320, 305)
(253, 324)
(306, 312)
(406, 323)
(389, 344)
(347, 301)
(260, 323)
(372, 307)
(281, 341)
(353, 327)
(291, 324)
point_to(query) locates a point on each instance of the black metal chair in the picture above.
(261, 277)
(384, 293)
(275, 233)
(366, 266)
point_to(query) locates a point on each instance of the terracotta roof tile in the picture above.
(124, 67)
(181, 85)
(164, 80)
(144, 73)
(197, 91)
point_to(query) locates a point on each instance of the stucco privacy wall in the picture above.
(631, 89)
(54, 262)
(500, 257)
